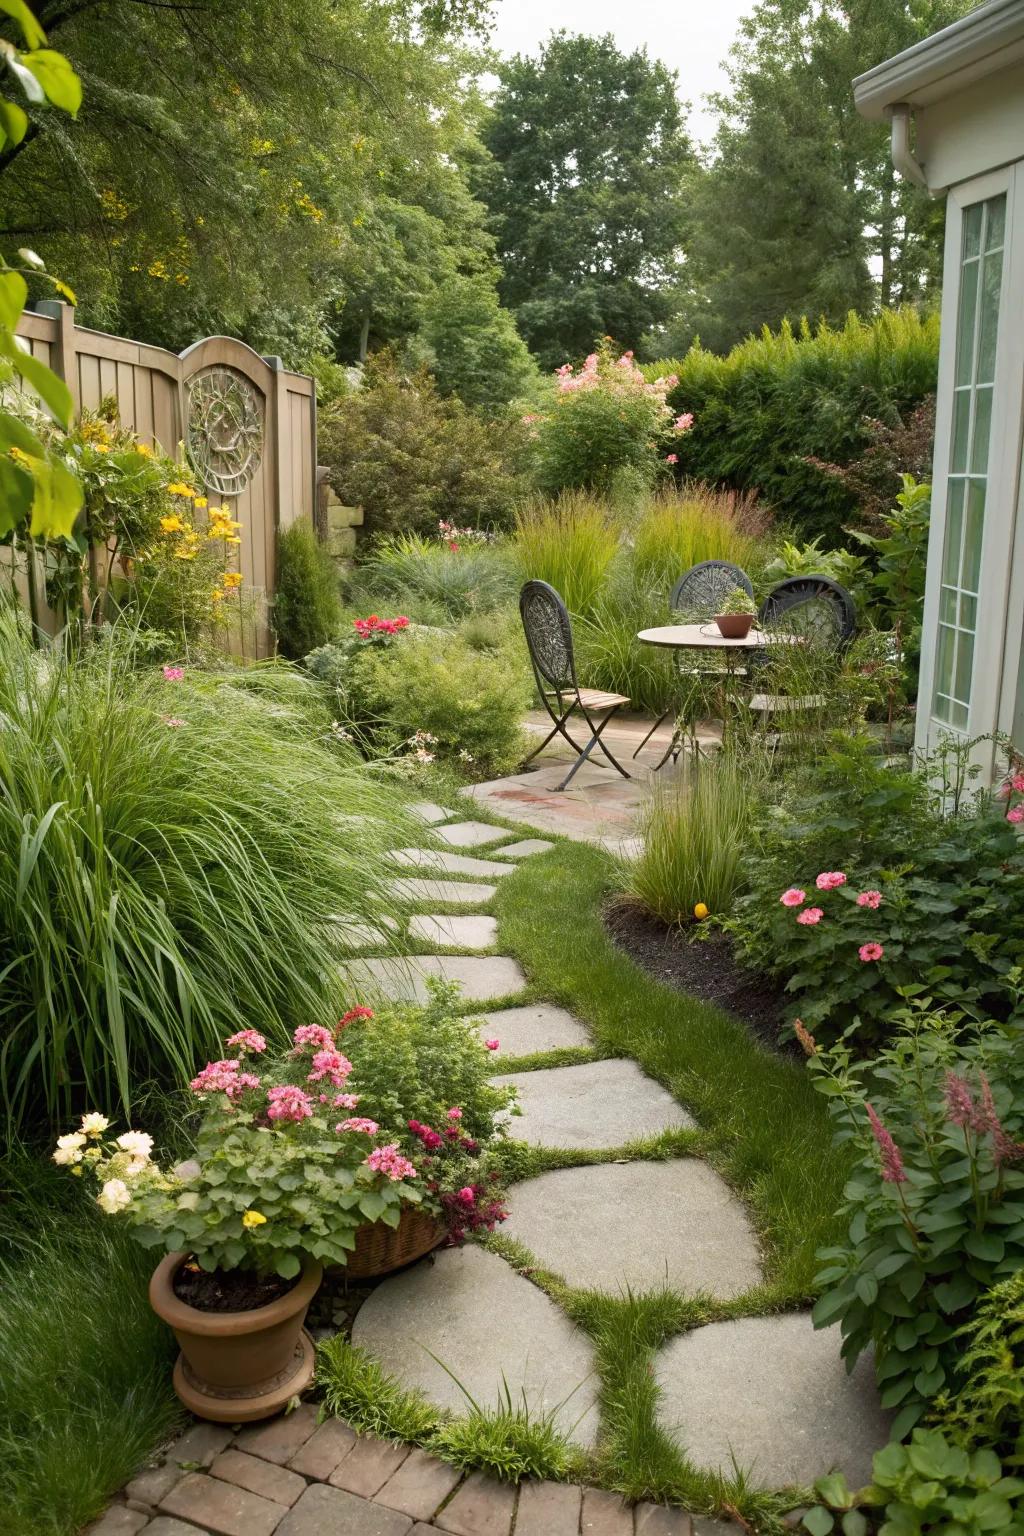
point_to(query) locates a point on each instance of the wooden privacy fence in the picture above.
(247, 425)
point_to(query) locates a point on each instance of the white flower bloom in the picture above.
(137, 1143)
(65, 1155)
(94, 1125)
(114, 1196)
(135, 1166)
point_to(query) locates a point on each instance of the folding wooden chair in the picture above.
(549, 639)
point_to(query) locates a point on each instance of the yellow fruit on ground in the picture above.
(700, 911)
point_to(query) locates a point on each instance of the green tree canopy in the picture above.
(587, 192)
(797, 210)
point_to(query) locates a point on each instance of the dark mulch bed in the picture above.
(227, 1290)
(705, 968)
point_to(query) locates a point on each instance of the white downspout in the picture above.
(902, 154)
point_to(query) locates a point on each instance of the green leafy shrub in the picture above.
(168, 868)
(852, 939)
(602, 424)
(454, 577)
(410, 457)
(307, 608)
(895, 450)
(694, 837)
(466, 705)
(777, 401)
(928, 1486)
(934, 1207)
(899, 564)
(985, 1405)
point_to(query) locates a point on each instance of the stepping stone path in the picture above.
(770, 1392)
(455, 932)
(404, 978)
(455, 1308)
(685, 1229)
(537, 1027)
(354, 933)
(599, 1105)
(773, 1394)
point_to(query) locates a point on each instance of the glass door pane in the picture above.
(981, 277)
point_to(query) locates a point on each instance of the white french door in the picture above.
(970, 658)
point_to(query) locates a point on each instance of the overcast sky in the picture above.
(691, 36)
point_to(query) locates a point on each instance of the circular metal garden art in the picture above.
(225, 429)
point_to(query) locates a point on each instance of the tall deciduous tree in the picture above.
(587, 192)
(797, 210)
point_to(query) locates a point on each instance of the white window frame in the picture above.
(993, 643)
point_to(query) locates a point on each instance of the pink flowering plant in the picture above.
(605, 418)
(934, 1208)
(296, 1150)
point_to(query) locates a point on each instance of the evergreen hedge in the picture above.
(781, 398)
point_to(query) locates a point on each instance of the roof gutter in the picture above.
(903, 157)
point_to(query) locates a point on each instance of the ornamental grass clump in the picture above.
(935, 1205)
(171, 862)
(290, 1160)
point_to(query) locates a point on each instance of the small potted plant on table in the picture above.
(736, 615)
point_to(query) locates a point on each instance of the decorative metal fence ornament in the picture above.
(225, 429)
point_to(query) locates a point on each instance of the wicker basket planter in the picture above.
(380, 1249)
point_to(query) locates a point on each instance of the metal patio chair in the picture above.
(696, 597)
(817, 608)
(549, 639)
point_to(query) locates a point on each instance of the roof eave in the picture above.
(987, 40)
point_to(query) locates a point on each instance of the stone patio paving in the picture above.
(768, 1393)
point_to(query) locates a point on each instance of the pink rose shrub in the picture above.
(277, 1175)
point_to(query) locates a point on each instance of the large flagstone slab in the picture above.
(465, 893)
(404, 979)
(772, 1393)
(491, 1329)
(470, 834)
(465, 931)
(426, 810)
(599, 1104)
(443, 861)
(537, 1027)
(638, 1224)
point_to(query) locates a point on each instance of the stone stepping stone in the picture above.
(491, 1328)
(772, 1393)
(538, 1027)
(470, 834)
(404, 978)
(469, 932)
(583, 1224)
(427, 811)
(441, 861)
(454, 892)
(598, 1105)
(524, 850)
(356, 933)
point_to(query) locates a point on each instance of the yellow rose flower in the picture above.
(254, 1219)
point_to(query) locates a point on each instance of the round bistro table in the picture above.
(707, 637)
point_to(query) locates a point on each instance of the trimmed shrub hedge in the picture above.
(780, 399)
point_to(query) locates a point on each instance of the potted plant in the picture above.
(287, 1178)
(736, 615)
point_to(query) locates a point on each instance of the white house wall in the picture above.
(976, 130)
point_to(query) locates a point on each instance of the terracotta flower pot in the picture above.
(734, 626)
(380, 1249)
(238, 1366)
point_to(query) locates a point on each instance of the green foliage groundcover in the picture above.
(777, 400)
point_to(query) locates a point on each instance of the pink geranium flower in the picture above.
(1015, 814)
(830, 880)
(671, 458)
(809, 916)
(870, 952)
(312, 1034)
(353, 1014)
(492, 1045)
(247, 1040)
(1017, 783)
(455, 1114)
(173, 674)
(332, 1065)
(683, 423)
(872, 899)
(794, 897)
(367, 1127)
(287, 1102)
(389, 1161)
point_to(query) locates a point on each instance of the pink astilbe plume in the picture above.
(959, 1102)
(986, 1122)
(892, 1162)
